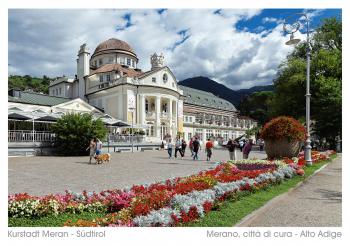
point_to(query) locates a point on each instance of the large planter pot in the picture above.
(282, 148)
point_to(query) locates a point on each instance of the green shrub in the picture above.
(74, 131)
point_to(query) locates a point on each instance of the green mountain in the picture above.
(233, 96)
(27, 82)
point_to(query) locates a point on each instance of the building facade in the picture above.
(207, 116)
(110, 80)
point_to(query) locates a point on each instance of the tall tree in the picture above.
(256, 106)
(325, 79)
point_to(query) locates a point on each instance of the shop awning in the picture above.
(18, 116)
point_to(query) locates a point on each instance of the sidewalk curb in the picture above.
(279, 197)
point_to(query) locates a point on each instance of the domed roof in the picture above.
(114, 44)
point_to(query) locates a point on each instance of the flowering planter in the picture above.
(282, 148)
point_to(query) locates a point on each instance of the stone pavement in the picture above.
(315, 203)
(43, 175)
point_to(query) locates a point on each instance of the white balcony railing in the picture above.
(150, 115)
(30, 136)
(124, 138)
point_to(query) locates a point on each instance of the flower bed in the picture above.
(169, 203)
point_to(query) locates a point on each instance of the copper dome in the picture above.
(114, 44)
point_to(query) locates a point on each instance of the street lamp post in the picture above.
(291, 28)
(132, 129)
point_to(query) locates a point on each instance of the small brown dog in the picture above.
(102, 158)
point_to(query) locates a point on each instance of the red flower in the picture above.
(207, 206)
(283, 127)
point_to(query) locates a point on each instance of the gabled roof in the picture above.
(147, 73)
(37, 99)
(205, 99)
(78, 104)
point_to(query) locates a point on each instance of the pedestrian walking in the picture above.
(209, 149)
(247, 148)
(98, 146)
(190, 145)
(170, 148)
(231, 146)
(162, 145)
(178, 146)
(92, 148)
(196, 146)
(183, 147)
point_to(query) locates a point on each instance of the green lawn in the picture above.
(52, 221)
(228, 213)
(231, 212)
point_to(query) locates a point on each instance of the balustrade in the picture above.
(30, 136)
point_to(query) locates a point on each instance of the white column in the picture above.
(170, 108)
(142, 109)
(170, 112)
(176, 115)
(157, 128)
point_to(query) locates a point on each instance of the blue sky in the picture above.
(236, 47)
(260, 20)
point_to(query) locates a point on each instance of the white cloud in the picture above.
(269, 20)
(47, 41)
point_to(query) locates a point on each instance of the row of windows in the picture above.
(122, 60)
(188, 119)
(106, 78)
(210, 133)
(56, 92)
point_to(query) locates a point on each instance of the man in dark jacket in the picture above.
(196, 146)
(231, 146)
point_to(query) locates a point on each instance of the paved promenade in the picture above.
(316, 203)
(44, 175)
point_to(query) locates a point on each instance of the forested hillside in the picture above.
(29, 83)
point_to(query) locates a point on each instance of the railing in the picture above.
(151, 115)
(28, 136)
(117, 138)
(164, 115)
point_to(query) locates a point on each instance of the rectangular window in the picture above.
(154, 79)
(56, 91)
(110, 60)
(95, 63)
(189, 135)
(186, 118)
(100, 62)
(133, 63)
(101, 78)
(108, 77)
(128, 61)
(122, 61)
(60, 90)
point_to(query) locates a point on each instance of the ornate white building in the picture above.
(110, 80)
